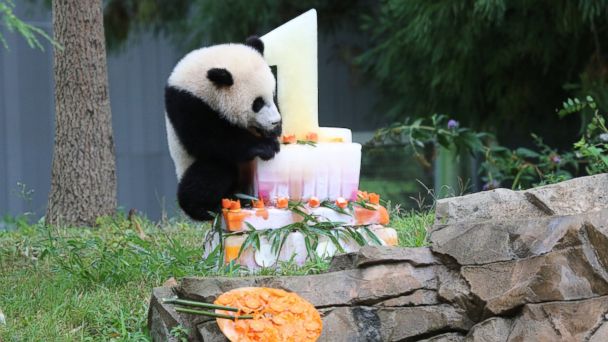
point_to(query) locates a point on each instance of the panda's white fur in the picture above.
(252, 78)
(250, 72)
(181, 159)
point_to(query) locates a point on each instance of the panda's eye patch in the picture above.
(258, 103)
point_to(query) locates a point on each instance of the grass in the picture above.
(83, 284)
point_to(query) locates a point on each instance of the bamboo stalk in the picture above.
(212, 314)
(198, 304)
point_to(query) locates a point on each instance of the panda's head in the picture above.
(235, 81)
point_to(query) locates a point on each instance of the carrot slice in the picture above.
(278, 316)
(234, 219)
(374, 198)
(259, 204)
(282, 202)
(384, 216)
(313, 202)
(362, 195)
(278, 306)
(341, 202)
(231, 253)
(289, 139)
(312, 136)
(235, 205)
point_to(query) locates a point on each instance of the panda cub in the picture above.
(220, 114)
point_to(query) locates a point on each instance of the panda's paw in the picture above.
(268, 150)
(276, 147)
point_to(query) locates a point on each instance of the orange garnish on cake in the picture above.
(260, 209)
(384, 216)
(233, 215)
(282, 202)
(226, 203)
(313, 202)
(362, 195)
(374, 198)
(312, 136)
(278, 316)
(289, 139)
(259, 204)
(235, 205)
(231, 253)
(341, 202)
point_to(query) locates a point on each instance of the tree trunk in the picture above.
(83, 180)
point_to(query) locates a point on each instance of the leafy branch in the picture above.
(31, 34)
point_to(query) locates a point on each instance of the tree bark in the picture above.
(83, 179)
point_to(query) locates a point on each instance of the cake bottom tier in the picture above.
(294, 247)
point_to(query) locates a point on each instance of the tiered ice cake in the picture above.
(306, 198)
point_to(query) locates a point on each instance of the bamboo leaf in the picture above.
(372, 236)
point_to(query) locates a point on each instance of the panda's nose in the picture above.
(277, 128)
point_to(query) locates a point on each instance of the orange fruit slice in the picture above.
(278, 316)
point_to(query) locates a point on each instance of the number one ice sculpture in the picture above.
(327, 171)
(292, 47)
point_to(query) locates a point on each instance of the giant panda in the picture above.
(220, 114)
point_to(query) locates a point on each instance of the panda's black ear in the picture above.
(220, 77)
(256, 43)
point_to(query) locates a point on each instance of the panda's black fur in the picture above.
(216, 146)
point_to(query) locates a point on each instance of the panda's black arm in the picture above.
(204, 133)
(233, 144)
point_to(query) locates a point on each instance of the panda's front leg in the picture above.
(203, 186)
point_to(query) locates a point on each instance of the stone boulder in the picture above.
(574, 196)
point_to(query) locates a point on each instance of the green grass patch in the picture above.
(412, 228)
(82, 284)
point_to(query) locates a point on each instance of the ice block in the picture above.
(327, 171)
(292, 48)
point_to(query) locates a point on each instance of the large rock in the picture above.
(562, 321)
(503, 266)
(367, 286)
(495, 329)
(486, 242)
(391, 324)
(575, 196)
(559, 275)
(371, 255)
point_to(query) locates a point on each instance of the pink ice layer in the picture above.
(326, 171)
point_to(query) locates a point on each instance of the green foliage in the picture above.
(593, 145)
(412, 226)
(416, 135)
(180, 333)
(493, 63)
(518, 168)
(525, 168)
(201, 22)
(31, 34)
(498, 65)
